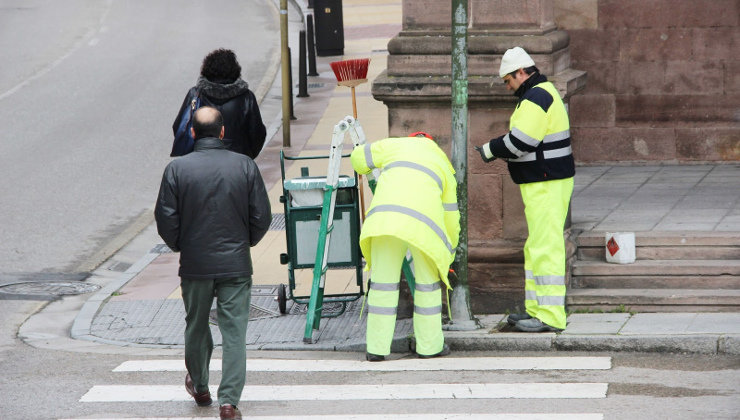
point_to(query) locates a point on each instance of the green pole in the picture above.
(462, 318)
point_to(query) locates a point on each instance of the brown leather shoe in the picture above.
(201, 398)
(230, 412)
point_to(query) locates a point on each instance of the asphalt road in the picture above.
(53, 384)
(88, 93)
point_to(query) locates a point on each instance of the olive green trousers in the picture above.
(233, 297)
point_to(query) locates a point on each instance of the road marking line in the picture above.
(441, 364)
(125, 393)
(436, 416)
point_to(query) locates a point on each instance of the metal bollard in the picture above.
(302, 78)
(311, 48)
(290, 80)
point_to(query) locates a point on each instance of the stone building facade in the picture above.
(663, 79)
(645, 81)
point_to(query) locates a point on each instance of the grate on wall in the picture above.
(161, 249)
(278, 221)
(119, 266)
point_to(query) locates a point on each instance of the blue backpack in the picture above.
(184, 142)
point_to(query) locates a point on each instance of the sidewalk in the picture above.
(141, 307)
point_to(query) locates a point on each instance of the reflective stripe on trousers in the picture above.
(546, 208)
(423, 218)
(388, 253)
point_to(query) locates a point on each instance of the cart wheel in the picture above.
(281, 297)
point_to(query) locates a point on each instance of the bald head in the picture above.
(207, 122)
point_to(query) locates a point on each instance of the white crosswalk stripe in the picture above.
(256, 394)
(498, 416)
(448, 363)
(123, 393)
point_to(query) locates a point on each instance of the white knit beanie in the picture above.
(514, 59)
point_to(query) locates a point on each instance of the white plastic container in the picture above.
(309, 191)
(620, 247)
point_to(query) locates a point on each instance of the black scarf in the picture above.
(533, 80)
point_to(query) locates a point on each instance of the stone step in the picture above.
(677, 239)
(666, 253)
(667, 246)
(658, 268)
(674, 271)
(656, 282)
(654, 300)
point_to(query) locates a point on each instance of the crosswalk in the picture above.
(379, 392)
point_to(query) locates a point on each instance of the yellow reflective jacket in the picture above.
(415, 199)
(537, 147)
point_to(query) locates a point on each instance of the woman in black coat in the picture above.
(220, 85)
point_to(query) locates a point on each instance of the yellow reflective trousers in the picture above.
(388, 253)
(546, 208)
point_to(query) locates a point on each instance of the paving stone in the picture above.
(717, 323)
(595, 323)
(658, 323)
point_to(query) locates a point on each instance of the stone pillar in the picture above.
(416, 87)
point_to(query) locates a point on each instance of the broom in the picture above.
(352, 73)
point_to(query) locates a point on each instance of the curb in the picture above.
(697, 344)
(84, 318)
(709, 344)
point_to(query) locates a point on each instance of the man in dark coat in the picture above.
(212, 208)
(220, 85)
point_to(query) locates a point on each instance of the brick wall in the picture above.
(663, 82)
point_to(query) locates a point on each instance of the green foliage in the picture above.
(585, 311)
(620, 309)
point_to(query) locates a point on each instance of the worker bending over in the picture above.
(414, 208)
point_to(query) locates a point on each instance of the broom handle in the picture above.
(354, 103)
(362, 188)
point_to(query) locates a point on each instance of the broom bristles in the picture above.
(350, 69)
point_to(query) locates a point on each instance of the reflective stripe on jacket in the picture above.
(537, 146)
(415, 199)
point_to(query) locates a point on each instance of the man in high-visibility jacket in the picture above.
(538, 151)
(414, 208)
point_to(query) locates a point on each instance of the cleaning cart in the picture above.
(322, 228)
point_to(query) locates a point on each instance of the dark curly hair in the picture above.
(221, 66)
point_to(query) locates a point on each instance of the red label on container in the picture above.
(612, 246)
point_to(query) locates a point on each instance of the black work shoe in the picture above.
(534, 325)
(445, 352)
(374, 357)
(512, 319)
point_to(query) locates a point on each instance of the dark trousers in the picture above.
(233, 296)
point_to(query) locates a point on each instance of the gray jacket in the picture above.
(212, 207)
